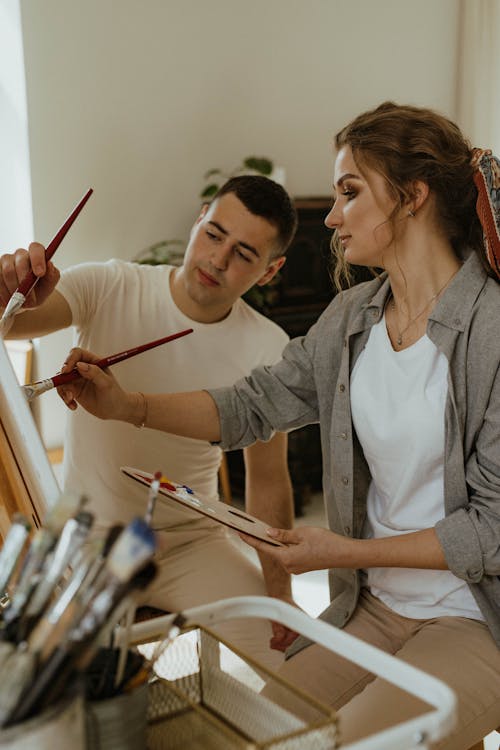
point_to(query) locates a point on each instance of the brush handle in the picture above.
(63, 378)
(30, 279)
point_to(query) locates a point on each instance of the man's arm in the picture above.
(269, 497)
(45, 310)
(53, 315)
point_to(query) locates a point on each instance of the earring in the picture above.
(411, 213)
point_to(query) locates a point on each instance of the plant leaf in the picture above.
(259, 164)
(209, 191)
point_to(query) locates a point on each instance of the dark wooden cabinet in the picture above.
(304, 290)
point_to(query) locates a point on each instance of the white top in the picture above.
(398, 404)
(118, 305)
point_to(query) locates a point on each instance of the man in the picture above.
(237, 241)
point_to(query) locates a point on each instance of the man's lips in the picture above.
(206, 278)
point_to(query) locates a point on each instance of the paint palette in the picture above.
(216, 510)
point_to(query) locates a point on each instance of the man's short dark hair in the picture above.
(266, 198)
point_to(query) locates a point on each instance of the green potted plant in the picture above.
(214, 178)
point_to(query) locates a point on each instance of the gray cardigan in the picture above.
(311, 384)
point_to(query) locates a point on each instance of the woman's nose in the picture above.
(333, 218)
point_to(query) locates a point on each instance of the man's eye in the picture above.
(243, 256)
(212, 235)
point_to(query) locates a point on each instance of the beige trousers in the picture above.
(459, 651)
(200, 563)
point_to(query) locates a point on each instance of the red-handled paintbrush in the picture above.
(35, 389)
(19, 296)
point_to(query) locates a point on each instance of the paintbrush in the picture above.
(73, 535)
(18, 298)
(12, 548)
(77, 650)
(74, 598)
(154, 489)
(134, 546)
(42, 543)
(6, 649)
(32, 390)
(55, 620)
(147, 667)
(20, 668)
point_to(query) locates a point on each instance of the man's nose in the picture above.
(220, 256)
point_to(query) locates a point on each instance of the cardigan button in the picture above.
(345, 480)
(342, 388)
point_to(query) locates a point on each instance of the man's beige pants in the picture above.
(200, 563)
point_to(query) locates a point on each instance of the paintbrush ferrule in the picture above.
(12, 548)
(32, 390)
(14, 304)
(154, 489)
(73, 535)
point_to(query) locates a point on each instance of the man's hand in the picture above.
(283, 637)
(15, 266)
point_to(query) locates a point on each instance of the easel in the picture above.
(14, 495)
(27, 482)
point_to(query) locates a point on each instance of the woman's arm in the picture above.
(310, 548)
(280, 398)
(192, 415)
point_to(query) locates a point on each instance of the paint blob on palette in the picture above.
(218, 511)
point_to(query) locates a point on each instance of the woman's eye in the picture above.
(349, 193)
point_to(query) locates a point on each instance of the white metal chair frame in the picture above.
(414, 734)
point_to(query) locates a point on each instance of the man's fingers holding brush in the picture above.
(15, 266)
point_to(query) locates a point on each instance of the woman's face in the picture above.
(360, 213)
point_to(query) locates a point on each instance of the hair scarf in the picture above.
(487, 180)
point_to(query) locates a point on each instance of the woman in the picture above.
(402, 374)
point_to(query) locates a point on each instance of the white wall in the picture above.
(137, 98)
(15, 188)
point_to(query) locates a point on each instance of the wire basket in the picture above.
(209, 697)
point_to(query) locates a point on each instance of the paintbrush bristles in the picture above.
(32, 390)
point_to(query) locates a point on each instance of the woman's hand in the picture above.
(98, 391)
(308, 548)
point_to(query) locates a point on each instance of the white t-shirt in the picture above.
(118, 305)
(398, 405)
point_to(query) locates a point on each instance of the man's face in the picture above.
(229, 251)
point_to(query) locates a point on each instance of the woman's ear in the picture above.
(417, 195)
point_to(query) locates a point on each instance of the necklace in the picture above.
(392, 302)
